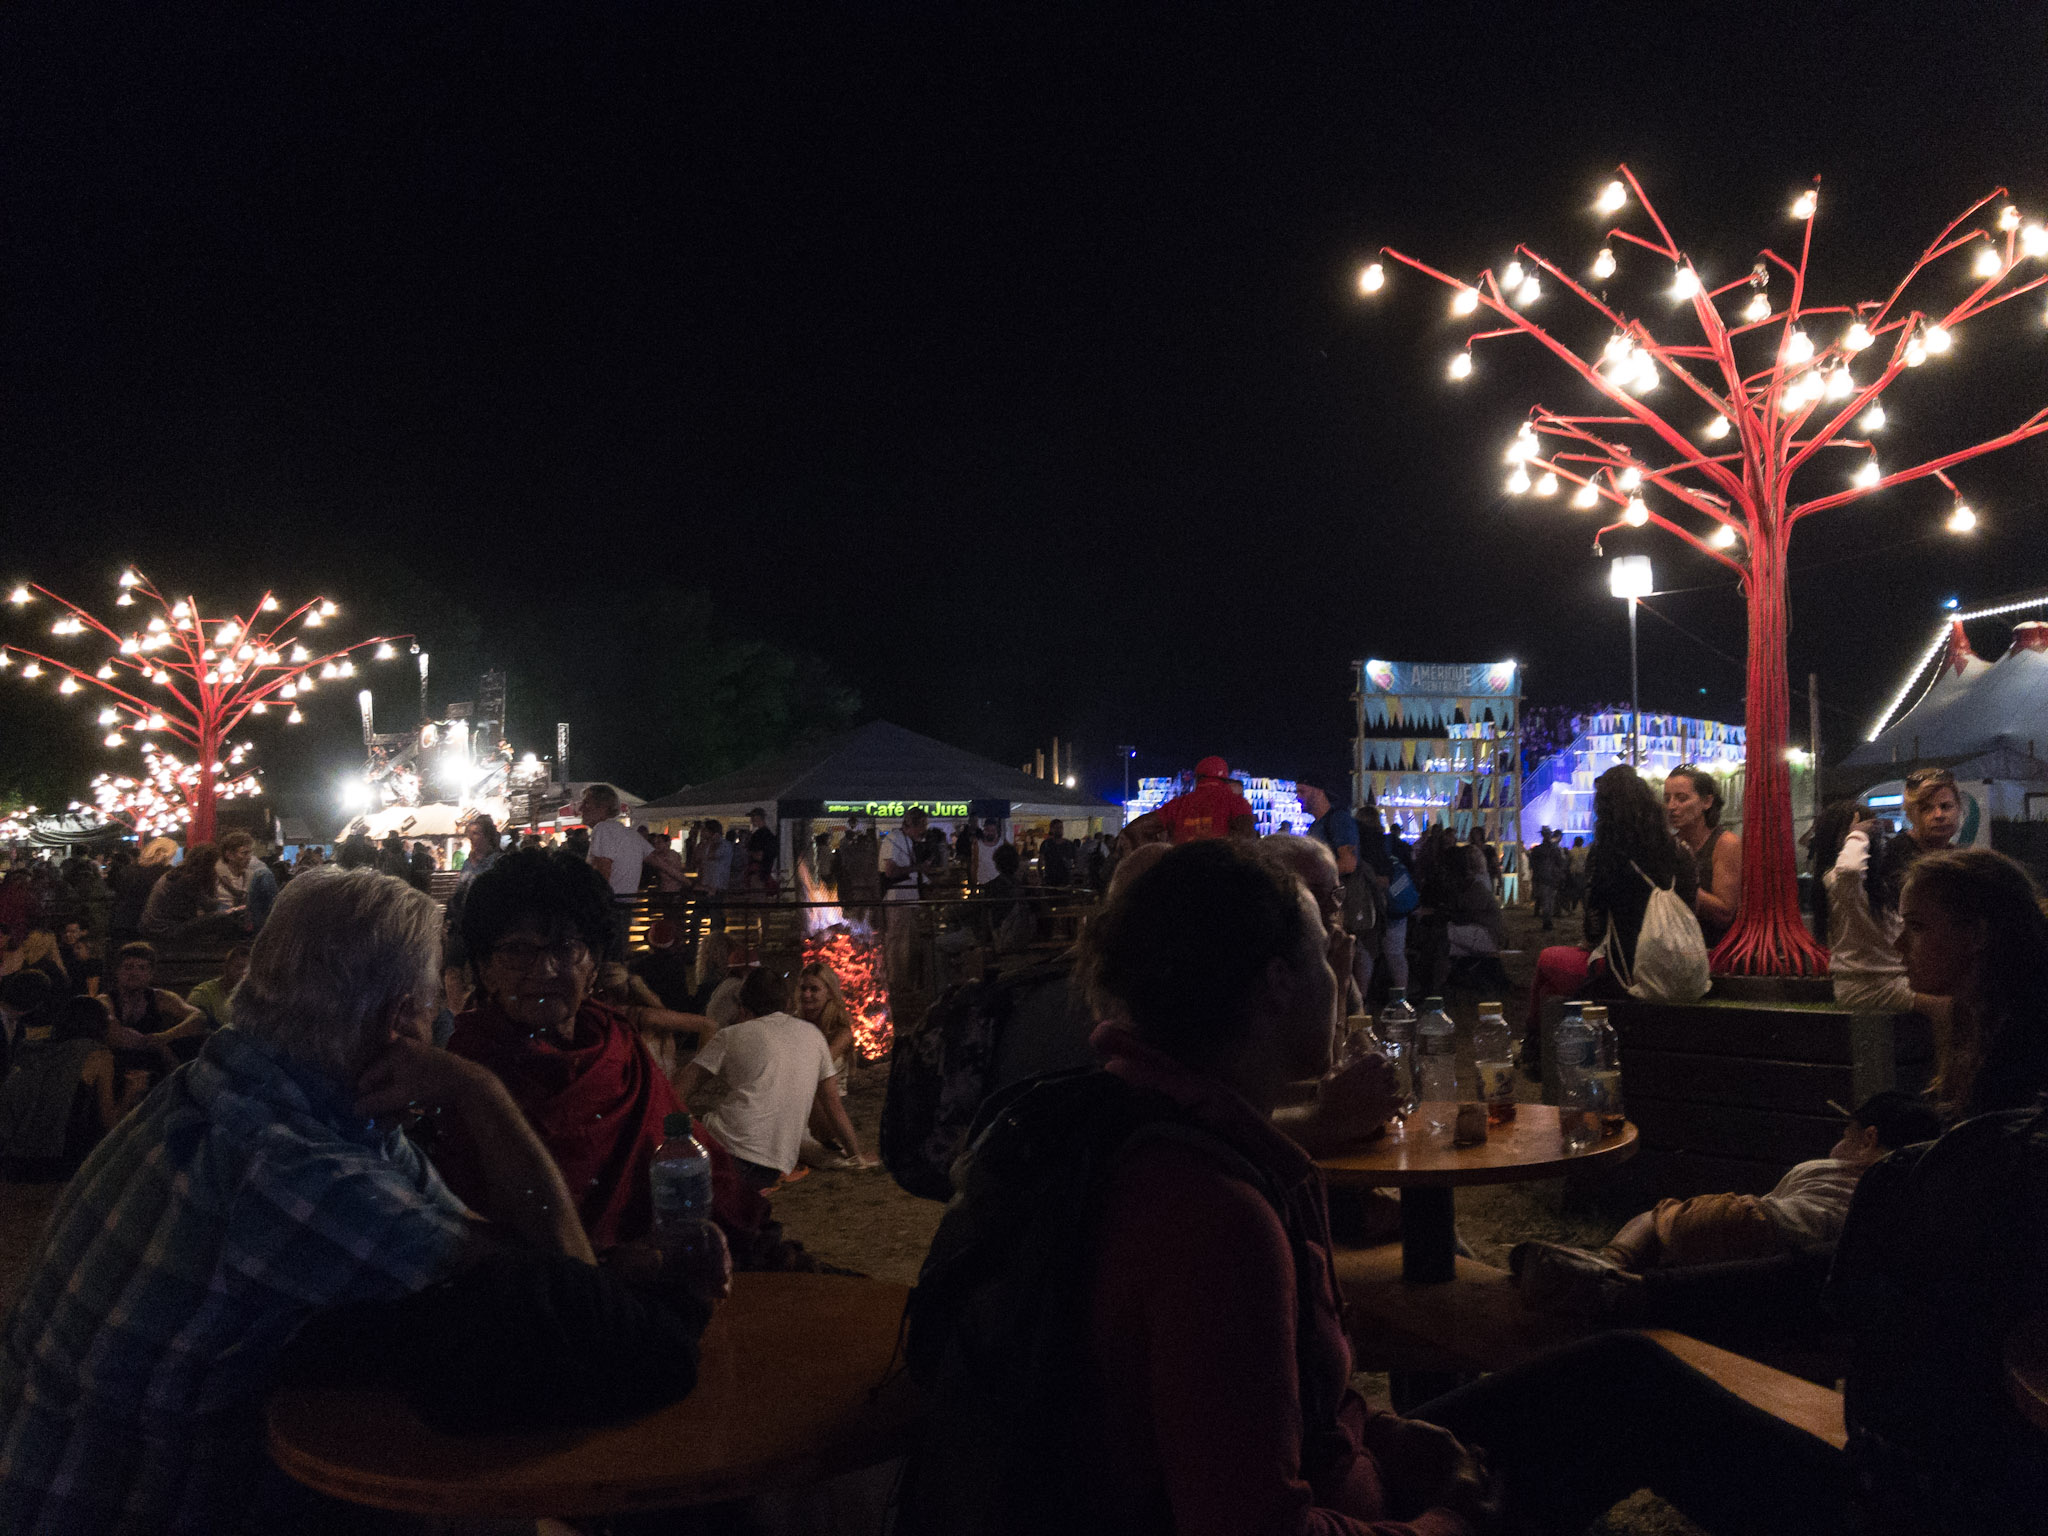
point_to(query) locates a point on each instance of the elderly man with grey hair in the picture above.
(259, 1185)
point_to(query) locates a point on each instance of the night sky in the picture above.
(1006, 357)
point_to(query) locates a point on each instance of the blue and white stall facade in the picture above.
(1559, 792)
(1276, 805)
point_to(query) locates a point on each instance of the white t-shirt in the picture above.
(985, 861)
(1811, 1202)
(627, 849)
(772, 1067)
(898, 849)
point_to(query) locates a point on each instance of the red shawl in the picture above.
(597, 1104)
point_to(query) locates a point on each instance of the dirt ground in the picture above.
(862, 1221)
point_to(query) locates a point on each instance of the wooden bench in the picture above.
(1478, 1323)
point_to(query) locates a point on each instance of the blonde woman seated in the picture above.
(661, 1030)
(821, 1001)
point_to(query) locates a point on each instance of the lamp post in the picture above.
(1629, 577)
(1127, 752)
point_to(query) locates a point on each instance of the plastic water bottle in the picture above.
(1605, 1072)
(1397, 1039)
(1493, 1052)
(681, 1180)
(1578, 1111)
(1436, 1066)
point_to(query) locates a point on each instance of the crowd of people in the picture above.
(408, 1143)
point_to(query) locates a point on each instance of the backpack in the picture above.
(1402, 895)
(939, 1075)
(997, 1326)
(1671, 953)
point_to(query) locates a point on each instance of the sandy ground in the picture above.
(861, 1220)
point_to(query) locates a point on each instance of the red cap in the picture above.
(1212, 768)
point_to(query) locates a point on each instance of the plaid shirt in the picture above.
(241, 1196)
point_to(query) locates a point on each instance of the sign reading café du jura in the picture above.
(889, 810)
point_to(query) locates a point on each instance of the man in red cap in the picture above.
(1213, 808)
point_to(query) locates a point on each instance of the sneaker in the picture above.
(1550, 1277)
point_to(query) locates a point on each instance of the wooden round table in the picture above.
(786, 1397)
(1428, 1170)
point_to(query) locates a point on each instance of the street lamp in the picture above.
(1127, 752)
(1629, 577)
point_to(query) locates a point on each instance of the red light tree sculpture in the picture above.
(184, 675)
(1765, 422)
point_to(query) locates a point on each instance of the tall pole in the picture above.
(1128, 752)
(1635, 696)
(1813, 738)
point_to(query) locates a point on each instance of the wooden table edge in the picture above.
(1617, 1148)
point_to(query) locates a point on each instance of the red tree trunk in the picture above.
(201, 828)
(1769, 937)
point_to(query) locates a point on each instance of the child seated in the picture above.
(1802, 1214)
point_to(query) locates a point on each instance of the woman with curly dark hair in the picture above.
(537, 926)
(1692, 807)
(1629, 834)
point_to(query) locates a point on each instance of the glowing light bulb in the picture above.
(1529, 292)
(385, 653)
(1372, 279)
(1461, 366)
(329, 671)
(115, 738)
(1938, 339)
(159, 676)
(109, 716)
(1613, 198)
(1804, 205)
(1630, 478)
(1586, 496)
(180, 609)
(1841, 384)
(1547, 486)
(32, 670)
(1635, 514)
(1512, 277)
(300, 653)
(1717, 428)
(1466, 301)
(1871, 420)
(1757, 309)
(270, 605)
(1684, 283)
(18, 596)
(1988, 263)
(213, 677)
(2008, 217)
(289, 691)
(259, 708)
(313, 621)
(125, 600)
(1618, 347)
(1857, 337)
(295, 717)
(158, 627)
(2034, 240)
(1723, 537)
(6, 660)
(1798, 348)
(1962, 519)
(1916, 354)
(1603, 264)
(154, 723)
(1518, 482)
(69, 685)
(327, 610)
(1645, 377)
(128, 578)
(1868, 475)
(105, 672)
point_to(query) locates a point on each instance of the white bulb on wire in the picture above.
(1635, 514)
(69, 685)
(1938, 339)
(1618, 347)
(1512, 277)
(1857, 337)
(1645, 378)
(1798, 348)
(1518, 482)
(1804, 205)
(294, 717)
(1962, 519)
(1841, 384)
(1587, 495)
(1547, 486)
(1757, 310)
(1603, 265)
(1871, 420)
(2034, 241)
(106, 671)
(1372, 279)
(109, 716)
(259, 708)
(1988, 263)
(1916, 354)
(154, 723)
(18, 596)
(1461, 366)
(1630, 478)
(1529, 291)
(1684, 283)
(1466, 301)
(1868, 475)
(115, 738)
(1613, 198)
(1723, 537)
(1717, 427)
(2008, 218)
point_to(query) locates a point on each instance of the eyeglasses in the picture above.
(522, 956)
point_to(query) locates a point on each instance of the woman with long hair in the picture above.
(821, 1001)
(1692, 806)
(1972, 931)
(1629, 835)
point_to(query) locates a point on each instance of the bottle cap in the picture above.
(676, 1126)
(1596, 1011)
(1432, 1002)
(1483, 1007)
